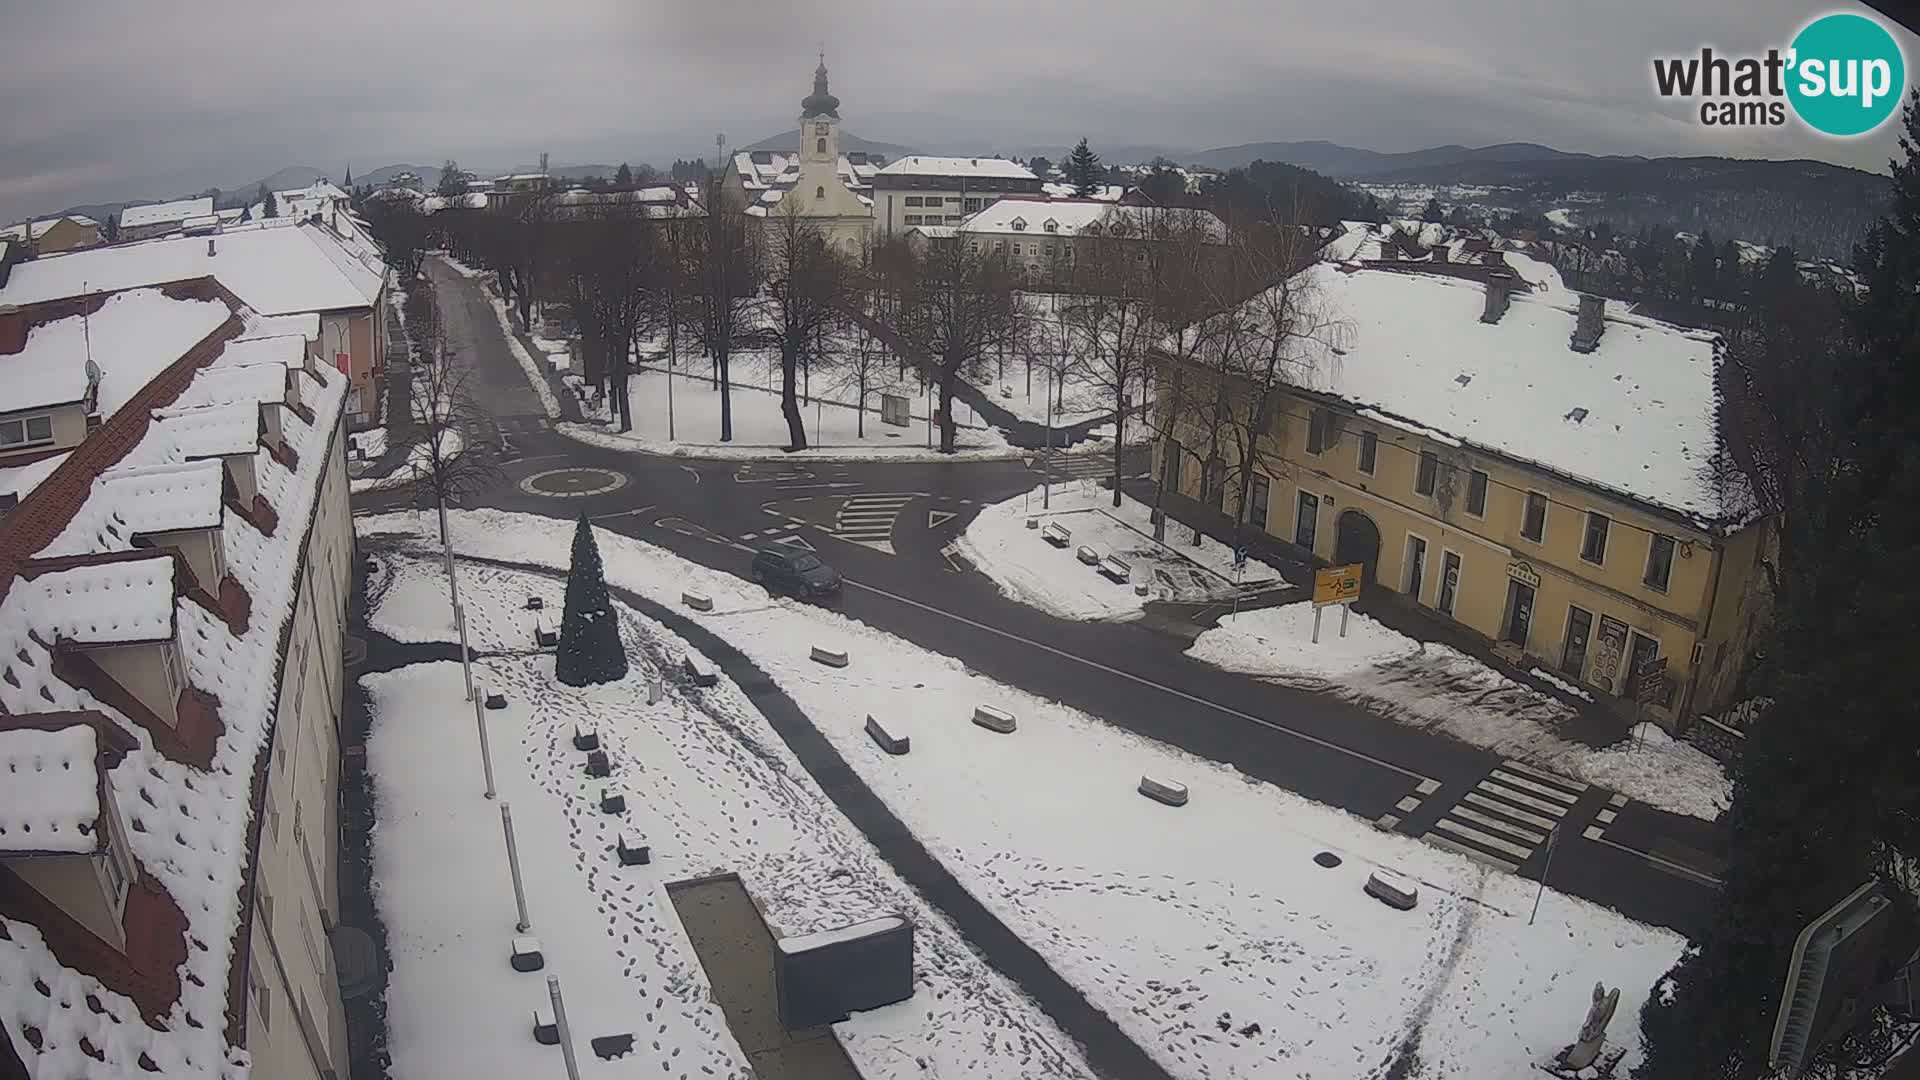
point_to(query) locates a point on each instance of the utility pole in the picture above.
(1553, 841)
(513, 863)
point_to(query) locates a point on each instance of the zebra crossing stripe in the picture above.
(1488, 821)
(1485, 840)
(1472, 853)
(1521, 798)
(1513, 812)
(1539, 789)
(1561, 782)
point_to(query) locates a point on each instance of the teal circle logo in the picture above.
(1846, 74)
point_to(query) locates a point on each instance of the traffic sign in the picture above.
(1337, 584)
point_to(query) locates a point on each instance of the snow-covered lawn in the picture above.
(419, 462)
(1436, 686)
(1033, 571)
(1079, 400)
(759, 429)
(1207, 932)
(709, 786)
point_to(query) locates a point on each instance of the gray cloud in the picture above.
(110, 100)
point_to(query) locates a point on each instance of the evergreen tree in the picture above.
(1818, 406)
(623, 177)
(452, 181)
(1083, 170)
(1040, 166)
(1432, 212)
(1705, 262)
(266, 197)
(590, 650)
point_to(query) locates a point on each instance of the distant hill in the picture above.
(1817, 208)
(789, 141)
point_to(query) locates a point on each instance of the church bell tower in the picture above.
(820, 121)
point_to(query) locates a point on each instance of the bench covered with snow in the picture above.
(885, 736)
(699, 670)
(698, 601)
(1117, 568)
(829, 657)
(993, 719)
(1394, 889)
(1087, 555)
(1056, 534)
(1163, 791)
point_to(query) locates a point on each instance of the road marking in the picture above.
(1618, 801)
(811, 487)
(1468, 832)
(1563, 782)
(1539, 789)
(693, 472)
(635, 512)
(1605, 817)
(1386, 821)
(1592, 832)
(1668, 865)
(1515, 813)
(795, 541)
(1522, 798)
(1407, 805)
(937, 518)
(1422, 781)
(1490, 822)
(1472, 853)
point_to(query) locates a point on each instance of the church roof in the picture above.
(821, 102)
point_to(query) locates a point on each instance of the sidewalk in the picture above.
(1597, 724)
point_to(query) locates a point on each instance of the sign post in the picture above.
(1336, 585)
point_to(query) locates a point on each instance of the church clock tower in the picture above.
(820, 122)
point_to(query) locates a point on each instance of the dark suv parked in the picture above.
(798, 572)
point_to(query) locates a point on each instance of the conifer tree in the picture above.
(590, 650)
(623, 176)
(1083, 171)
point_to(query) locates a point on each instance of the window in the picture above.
(973, 206)
(1306, 520)
(1593, 546)
(999, 245)
(913, 219)
(1016, 247)
(1052, 225)
(819, 146)
(1449, 582)
(1659, 561)
(262, 998)
(1533, 526)
(112, 871)
(1477, 493)
(1369, 449)
(170, 665)
(1573, 651)
(820, 129)
(1416, 572)
(954, 219)
(1318, 425)
(1429, 475)
(26, 431)
(913, 200)
(973, 247)
(1257, 513)
(953, 200)
(820, 192)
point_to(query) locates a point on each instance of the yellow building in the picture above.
(1526, 462)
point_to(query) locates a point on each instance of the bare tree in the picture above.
(401, 231)
(1183, 270)
(614, 269)
(721, 274)
(809, 287)
(438, 465)
(1112, 324)
(958, 305)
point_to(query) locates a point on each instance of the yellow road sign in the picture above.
(1337, 584)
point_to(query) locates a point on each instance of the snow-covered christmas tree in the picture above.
(590, 649)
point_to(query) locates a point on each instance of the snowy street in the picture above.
(1251, 965)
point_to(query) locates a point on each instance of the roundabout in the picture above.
(573, 483)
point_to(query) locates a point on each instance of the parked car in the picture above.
(798, 572)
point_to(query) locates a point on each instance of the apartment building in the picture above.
(275, 267)
(923, 190)
(161, 219)
(1044, 239)
(50, 235)
(1527, 462)
(172, 602)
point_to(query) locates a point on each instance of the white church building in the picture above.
(828, 189)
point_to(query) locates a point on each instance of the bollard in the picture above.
(486, 752)
(560, 1021)
(513, 863)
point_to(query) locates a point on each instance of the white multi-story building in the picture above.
(173, 589)
(922, 190)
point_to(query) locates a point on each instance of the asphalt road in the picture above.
(1648, 864)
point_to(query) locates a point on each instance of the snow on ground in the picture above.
(759, 429)
(558, 353)
(1549, 677)
(459, 267)
(371, 443)
(1188, 926)
(536, 378)
(1438, 687)
(1033, 571)
(419, 463)
(710, 787)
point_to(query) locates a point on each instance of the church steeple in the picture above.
(821, 102)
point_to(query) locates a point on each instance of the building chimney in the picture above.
(1499, 293)
(1592, 322)
(13, 329)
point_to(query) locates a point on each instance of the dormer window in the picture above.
(25, 431)
(1052, 225)
(1019, 224)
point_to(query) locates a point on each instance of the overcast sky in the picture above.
(108, 101)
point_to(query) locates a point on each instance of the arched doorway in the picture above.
(1357, 540)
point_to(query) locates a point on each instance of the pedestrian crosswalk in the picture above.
(524, 425)
(868, 519)
(1076, 466)
(1508, 816)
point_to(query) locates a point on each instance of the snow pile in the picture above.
(1441, 688)
(417, 466)
(711, 788)
(535, 377)
(1206, 932)
(371, 443)
(53, 790)
(1027, 568)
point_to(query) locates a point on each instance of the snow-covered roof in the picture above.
(274, 271)
(165, 213)
(135, 500)
(1107, 192)
(112, 603)
(39, 228)
(305, 325)
(211, 430)
(924, 165)
(20, 480)
(939, 232)
(1634, 417)
(49, 790)
(1073, 217)
(778, 171)
(130, 339)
